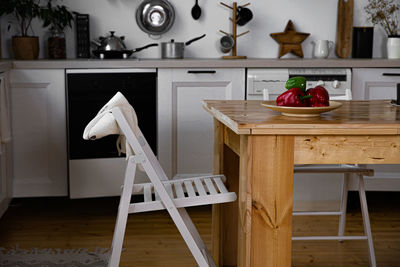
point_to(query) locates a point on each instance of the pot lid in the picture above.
(110, 42)
(113, 43)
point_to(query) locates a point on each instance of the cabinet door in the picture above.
(375, 83)
(369, 84)
(185, 128)
(5, 155)
(39, 133)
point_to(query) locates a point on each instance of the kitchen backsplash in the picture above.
(317, 17)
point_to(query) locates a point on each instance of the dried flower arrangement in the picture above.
(384, 13)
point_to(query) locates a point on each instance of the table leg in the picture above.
(244, 204)
(271, 175)
(216, 209)
(224, 216)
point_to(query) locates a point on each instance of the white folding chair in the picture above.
(347, 171)
(172, 195)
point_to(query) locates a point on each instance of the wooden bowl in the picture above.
(301, 111)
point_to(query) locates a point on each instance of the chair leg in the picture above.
(122, 217)
(343, 205)
(366, 221)
(192, 238)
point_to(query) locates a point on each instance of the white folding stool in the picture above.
(172, 195)
(347, 170)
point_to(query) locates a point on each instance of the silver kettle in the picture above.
(110, 42)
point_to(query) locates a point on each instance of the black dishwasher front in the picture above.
(94, 167)
(89, 90)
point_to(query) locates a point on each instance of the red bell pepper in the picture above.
(320, 97)
(294, 97)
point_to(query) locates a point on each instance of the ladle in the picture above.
(196, 11)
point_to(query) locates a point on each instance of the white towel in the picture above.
(5, 119)
(105, 124)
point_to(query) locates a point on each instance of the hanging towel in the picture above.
(105, 124)
(5, 119)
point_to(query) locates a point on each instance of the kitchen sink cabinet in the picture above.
(378, 83)
(185, 129)
(5, 155)
(39, 132)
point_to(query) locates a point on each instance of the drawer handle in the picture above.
(398, 94)
(202, 71)
(390, 74)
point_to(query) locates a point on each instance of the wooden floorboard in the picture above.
(153, 240)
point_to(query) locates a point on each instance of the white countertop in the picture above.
(203, 63)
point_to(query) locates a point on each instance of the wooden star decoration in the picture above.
(290, 40)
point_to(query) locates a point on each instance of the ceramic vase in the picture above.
(25, 47)
(393, 47)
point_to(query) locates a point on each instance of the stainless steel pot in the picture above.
(176, 50)
(155, 17)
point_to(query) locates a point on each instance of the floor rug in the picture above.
(17, 257)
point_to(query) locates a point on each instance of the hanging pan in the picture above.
(155, 17)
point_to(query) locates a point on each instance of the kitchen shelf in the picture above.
(203, 63)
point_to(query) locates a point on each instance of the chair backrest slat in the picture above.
(168, 187)
(147, 193)
(179, 190)
(220, 185)
(157, 195)
(189, 188)
(200, 188)
(210, 186)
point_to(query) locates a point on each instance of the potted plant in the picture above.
(57, 18)
(386, 14)
(24, 46)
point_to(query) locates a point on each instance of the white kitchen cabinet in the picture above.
(39, 132)
(185, 129)
(5, 155)
(375, 83)
(378, 83)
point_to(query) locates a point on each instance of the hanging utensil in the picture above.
(155, 17)
(196, 11)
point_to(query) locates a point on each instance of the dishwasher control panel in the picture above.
(337, 81)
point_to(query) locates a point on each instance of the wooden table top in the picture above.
(370, 117)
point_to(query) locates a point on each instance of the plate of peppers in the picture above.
(299, 102)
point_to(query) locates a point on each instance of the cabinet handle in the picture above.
(398, 94)
(390, 74)
(201, 71)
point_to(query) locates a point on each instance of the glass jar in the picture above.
(56, 45)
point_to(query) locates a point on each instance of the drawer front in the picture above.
(205, 74)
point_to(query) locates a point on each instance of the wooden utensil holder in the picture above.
(234, 31)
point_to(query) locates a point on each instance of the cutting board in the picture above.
(344, 31)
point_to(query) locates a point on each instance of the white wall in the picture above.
(317, 17)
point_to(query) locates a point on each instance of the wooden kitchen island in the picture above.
(256, 149)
